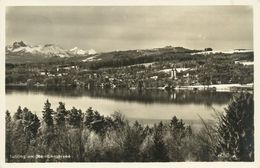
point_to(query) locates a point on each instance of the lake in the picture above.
(148, 107)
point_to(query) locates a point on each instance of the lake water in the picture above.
(145, 106)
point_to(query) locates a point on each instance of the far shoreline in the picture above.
(214, 87)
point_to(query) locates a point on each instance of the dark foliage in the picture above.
(47, 114)
(92, 137)
(236, 130)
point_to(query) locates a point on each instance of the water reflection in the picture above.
(147, 96)
(148, 107)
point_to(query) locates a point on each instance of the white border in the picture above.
(256, 8)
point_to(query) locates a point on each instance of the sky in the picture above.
(108, 28)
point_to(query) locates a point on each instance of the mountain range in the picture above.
(47, 50)
(21, 52)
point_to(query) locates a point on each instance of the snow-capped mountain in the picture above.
(78, 51)
(50, 49)
(91, 52)
(47, 50)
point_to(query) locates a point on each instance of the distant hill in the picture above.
(137, 53)
(137, 56)
(21, 52)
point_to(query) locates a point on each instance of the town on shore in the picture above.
(166, 68)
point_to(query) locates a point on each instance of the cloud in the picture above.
(106, 28)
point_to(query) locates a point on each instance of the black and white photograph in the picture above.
(127, 84)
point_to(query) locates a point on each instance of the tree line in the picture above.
(63, 135)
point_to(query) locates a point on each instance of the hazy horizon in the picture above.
(111, 28)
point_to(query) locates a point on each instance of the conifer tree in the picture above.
(34, 125)
(96, 122)
(61, 114)
(134, 137)
(236, 130)
(8, 117)
(18, 114)
(75, 117)
(47, 114)
(8, 134)
(160, 153)
(177, 128)
(31, 123)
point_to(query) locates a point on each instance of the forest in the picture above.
(71, 135)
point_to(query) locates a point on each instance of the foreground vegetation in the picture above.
(75, 136)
